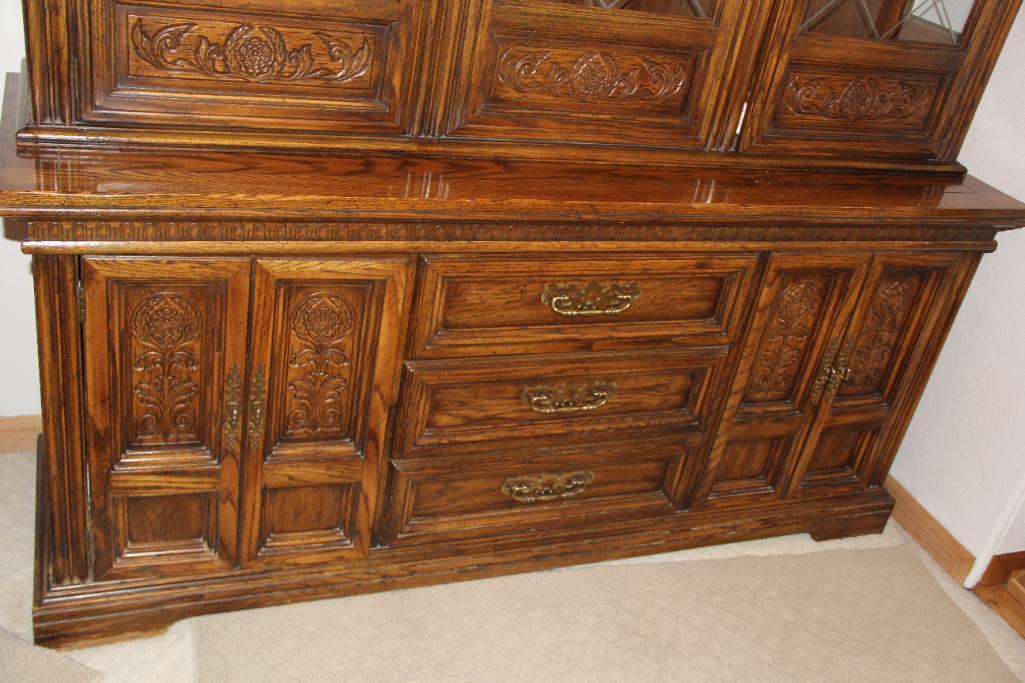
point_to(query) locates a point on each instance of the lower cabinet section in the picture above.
(263, 430)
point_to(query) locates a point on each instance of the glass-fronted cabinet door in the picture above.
(873, 78)
(648, 73)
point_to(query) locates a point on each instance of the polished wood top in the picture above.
(240, 185)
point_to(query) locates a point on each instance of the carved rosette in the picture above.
(593, 77)
(859, 99)
(788, 335)
(166, 326)
(879, 336)
(320, 324)
(251, 54)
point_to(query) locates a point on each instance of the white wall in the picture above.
(964, 454)
(19, 386)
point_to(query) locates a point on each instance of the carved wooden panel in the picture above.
(481, 306)
(341, 66)
(440, 499)
(877, 372)
(326, 338)
(805, 303)
(869, 78)
(165, 348)
(455, 406)
(652, 75)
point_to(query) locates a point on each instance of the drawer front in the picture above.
(324, 65)
(451, 407)
(499, 305)
(442, 500)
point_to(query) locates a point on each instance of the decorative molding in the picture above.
(593, 77)
(879, 336)
(793, 317)
(320, 325)
(248, 54)
(857, 99)
(166, 325)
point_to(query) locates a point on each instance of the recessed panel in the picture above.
(306, 518)
(841, 457)
(182, 526)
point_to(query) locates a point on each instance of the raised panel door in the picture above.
(624, 73)
(325, 357)
(878, 372)
(874, 78)
(804, 304)
(164, 355)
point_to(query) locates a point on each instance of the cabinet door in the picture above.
(288, 65)
(879, 372)
(326, 344)
(652, 73)
(804, 304)
(165, 343)
(874, 78)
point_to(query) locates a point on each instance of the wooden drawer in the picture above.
(516, 304)
(319, 65)
(450, 407)
(442, 499)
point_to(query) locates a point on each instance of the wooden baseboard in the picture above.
(1000, 568)
(18, 434)
(930, 534)
(1002, 587)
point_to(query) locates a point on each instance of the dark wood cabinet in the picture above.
(338, 296)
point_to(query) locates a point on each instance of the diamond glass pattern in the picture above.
(929, 21)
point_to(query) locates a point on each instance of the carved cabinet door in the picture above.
(326, 345)
(805, 302)
(165, 344)
(883, 78)
(651, 73)
(879, 372)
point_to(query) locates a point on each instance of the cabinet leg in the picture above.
(846, 527)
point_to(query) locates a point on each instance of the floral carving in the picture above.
(166, 325)
(879, 336)
(857, 100)
(593, 77)
(320, 326)
(789, 331)
(249, 54)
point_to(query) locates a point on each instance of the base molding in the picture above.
(18, 433)
(941, 545)
(66, 615)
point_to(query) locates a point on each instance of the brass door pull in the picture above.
(547, 487)
(568, 398)
(257, 403)
(590, 300)
(232, 406)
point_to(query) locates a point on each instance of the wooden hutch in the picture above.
(338, 296)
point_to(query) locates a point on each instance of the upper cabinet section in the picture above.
(884, 83)
(897, 79)
(296, 65)
(649, 73)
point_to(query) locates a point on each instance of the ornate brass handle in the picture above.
(543, 488)
(593, 299)
(825, 372)
(569, 398)
(232, 406)
(257, 403)
(840, 373)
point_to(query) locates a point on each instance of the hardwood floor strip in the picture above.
(930, 534)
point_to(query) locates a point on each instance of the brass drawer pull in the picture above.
(232, 407)
(569, 398)
(544, 488)
(593, 299)
(257, 403)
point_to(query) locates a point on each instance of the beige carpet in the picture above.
(22, 662)
(865, 615)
